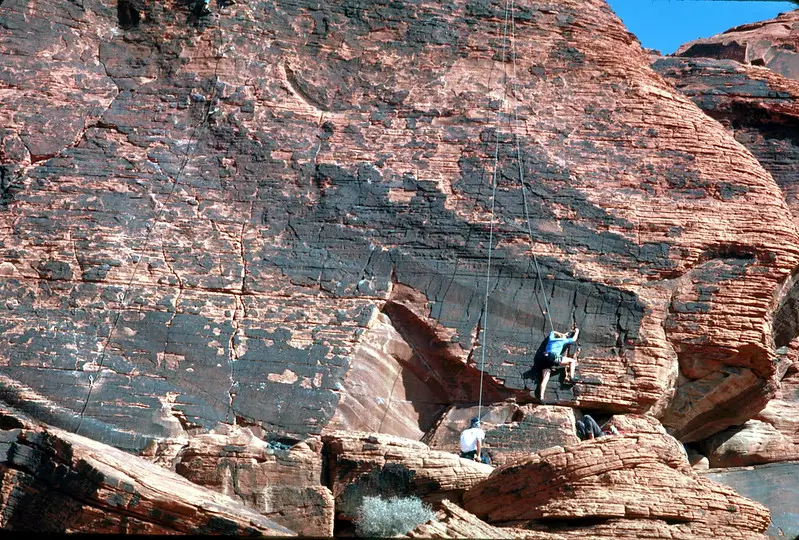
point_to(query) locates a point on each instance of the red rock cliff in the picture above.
(212, 218)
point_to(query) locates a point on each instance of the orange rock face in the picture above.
(771, 43)
(237, 208)
(643, 477)
(282, 483)
(54, 481)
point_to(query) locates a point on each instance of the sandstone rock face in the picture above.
(771, 43)
(361, 464)
(758, 106)
(772, 435)
(453, 521)
(284, 484)
(54, 481)
(641, 477)
(236, 207)
(761, 109)
(511, 430)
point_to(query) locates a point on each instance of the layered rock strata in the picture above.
(204, 214)
(773, 43)
(761, 109)
(362, 464)
(453, 521)
(54, 481)
(642, 477)
(771, 435)
(281, 481)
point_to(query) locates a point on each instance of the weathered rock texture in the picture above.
(212, 218)
(773, 43)
(771, 435)
(759, 107)
(54, 481)
(281, 482)
(632, 478)
(453, 521)
(361, 464)
(511, 430)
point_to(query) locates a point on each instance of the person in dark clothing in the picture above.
(550, 357)
(587, 428)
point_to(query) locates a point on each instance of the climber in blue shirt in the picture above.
(550, 357)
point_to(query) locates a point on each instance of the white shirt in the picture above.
(469, 439)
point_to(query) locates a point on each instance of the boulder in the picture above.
(281, 481)
(52, 481)
(363, 464)
(511, 430)
(628, 477)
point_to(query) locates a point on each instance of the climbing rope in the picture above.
(493, 206)
(508, 18)
(193, 140)
(521, 171)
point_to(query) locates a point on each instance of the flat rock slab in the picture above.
(54, 481)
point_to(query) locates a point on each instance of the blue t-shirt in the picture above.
(555, 344)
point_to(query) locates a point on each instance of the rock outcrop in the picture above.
(363, 464)
(281, 481)
(203, 214)
(54, 481)
(634, 483)
(773, 43)
(511, 430)
(761, 109)
(771, 435)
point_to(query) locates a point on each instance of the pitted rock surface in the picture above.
(233, 201)
(773, 43)
(616, 477)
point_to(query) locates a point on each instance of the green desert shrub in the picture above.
(390, 517)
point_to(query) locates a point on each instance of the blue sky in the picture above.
(666, 24)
